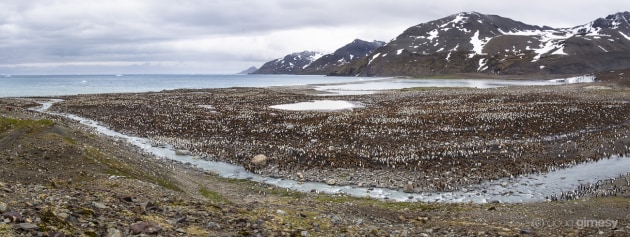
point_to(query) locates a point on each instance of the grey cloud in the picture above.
(41, 31)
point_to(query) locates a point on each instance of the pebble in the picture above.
(143, 227)
(213, 226)
(259, 160)
(281, 212)
(27, 226)
(99, 205)
(113, 232)
(409, 187)
(336, 219)
(182, 152)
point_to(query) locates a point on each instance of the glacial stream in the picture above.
(530, 188)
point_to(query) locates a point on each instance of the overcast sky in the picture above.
(227, 36)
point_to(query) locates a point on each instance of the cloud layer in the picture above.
(223, 36)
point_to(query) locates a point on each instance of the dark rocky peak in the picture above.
(355, 50)
(358, 48)
(462, 32)
(304, 55)
(613, 21)
(291, 64)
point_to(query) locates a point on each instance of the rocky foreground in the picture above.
(59, 178)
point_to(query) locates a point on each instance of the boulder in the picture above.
(182, 152)
(13, 216)
(409, 187)
(27, 226)
(259, 160)
(144, 228)
(331, 182)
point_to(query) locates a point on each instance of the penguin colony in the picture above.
(437, 139)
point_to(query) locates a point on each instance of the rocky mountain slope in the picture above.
(309, 62)
(355, 50)
(291, 64)
(471, 42)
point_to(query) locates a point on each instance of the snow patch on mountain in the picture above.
(374, 57)
(478, 44)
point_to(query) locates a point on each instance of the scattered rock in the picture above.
(304, 233)
(143, 227)
(127, 199)
(150, 206)
(281, 212)
(113, 232)
(336, 219)
(27, 226)
(99, 205)
(55, 234)
(3, 207)
(177, 221)
(182, 152)
(259, 160)
(409, 187)
(526, 232)
(213, 226)
(300, 175)
(13, 216)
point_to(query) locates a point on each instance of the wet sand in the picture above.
(435, 139)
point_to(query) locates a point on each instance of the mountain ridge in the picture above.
(486, 45)
(471, 42)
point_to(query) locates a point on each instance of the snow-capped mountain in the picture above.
(471, 42)
(355, 50)
(291, 64)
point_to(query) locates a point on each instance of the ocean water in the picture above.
(56, 85)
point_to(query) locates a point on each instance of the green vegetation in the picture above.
(214, 197)
(13, 123)
(115, 167)
(396, 206)
(50, 219)
(6, 230)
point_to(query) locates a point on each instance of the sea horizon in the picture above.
(33, 85)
